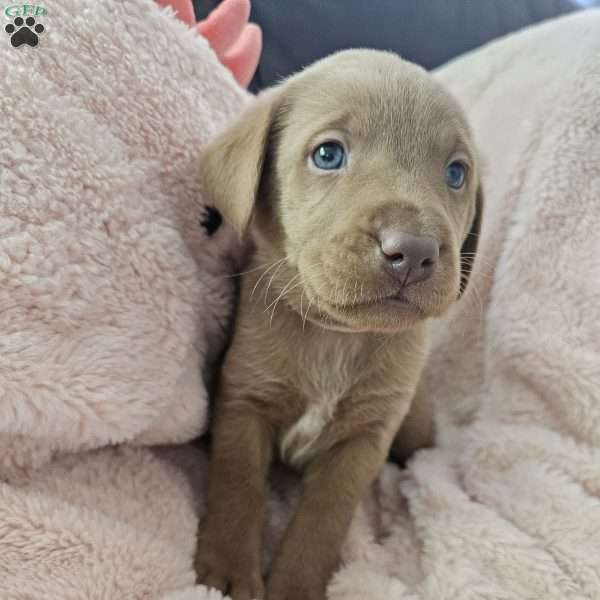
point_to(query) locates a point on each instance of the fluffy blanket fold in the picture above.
(108, 285)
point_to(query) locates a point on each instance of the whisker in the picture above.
(263, 275)
(477, 295)
(285, 288)
(466, 278)
(240, 273)
(271, 281)
(478, 305)
(306, 315)
(474, 262)
(476, 259)
(281, 295)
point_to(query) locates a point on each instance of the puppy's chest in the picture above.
(325, 379)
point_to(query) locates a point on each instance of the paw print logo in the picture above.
(24, 31)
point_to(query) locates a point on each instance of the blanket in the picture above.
(505, 506)
(114, 298)
(113, 295)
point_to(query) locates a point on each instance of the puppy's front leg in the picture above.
(333, 486)
(228, 553)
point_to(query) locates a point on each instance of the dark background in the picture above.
(427, 32)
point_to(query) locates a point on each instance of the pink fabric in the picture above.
(236, 42)
(113, 297)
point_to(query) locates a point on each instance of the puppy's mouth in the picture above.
(391, 307)
(394, 298)
(398, 298)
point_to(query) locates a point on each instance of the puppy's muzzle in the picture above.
(408, 258)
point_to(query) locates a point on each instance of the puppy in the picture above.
(357, 182)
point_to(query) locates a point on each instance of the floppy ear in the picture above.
(231, 164)
(469, 247)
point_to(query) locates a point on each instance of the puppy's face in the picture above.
(361, 174)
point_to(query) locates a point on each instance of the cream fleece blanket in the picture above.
(507, 506)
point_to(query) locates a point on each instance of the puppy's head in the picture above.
(359, 172)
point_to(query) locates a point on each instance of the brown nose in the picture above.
(409, 258)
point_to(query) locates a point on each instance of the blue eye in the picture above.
(456, 173)
(329, 156)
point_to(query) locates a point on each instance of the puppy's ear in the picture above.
(231, 164)
(469, 248)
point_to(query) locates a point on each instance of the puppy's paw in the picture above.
(229, 573)
(297, 588)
